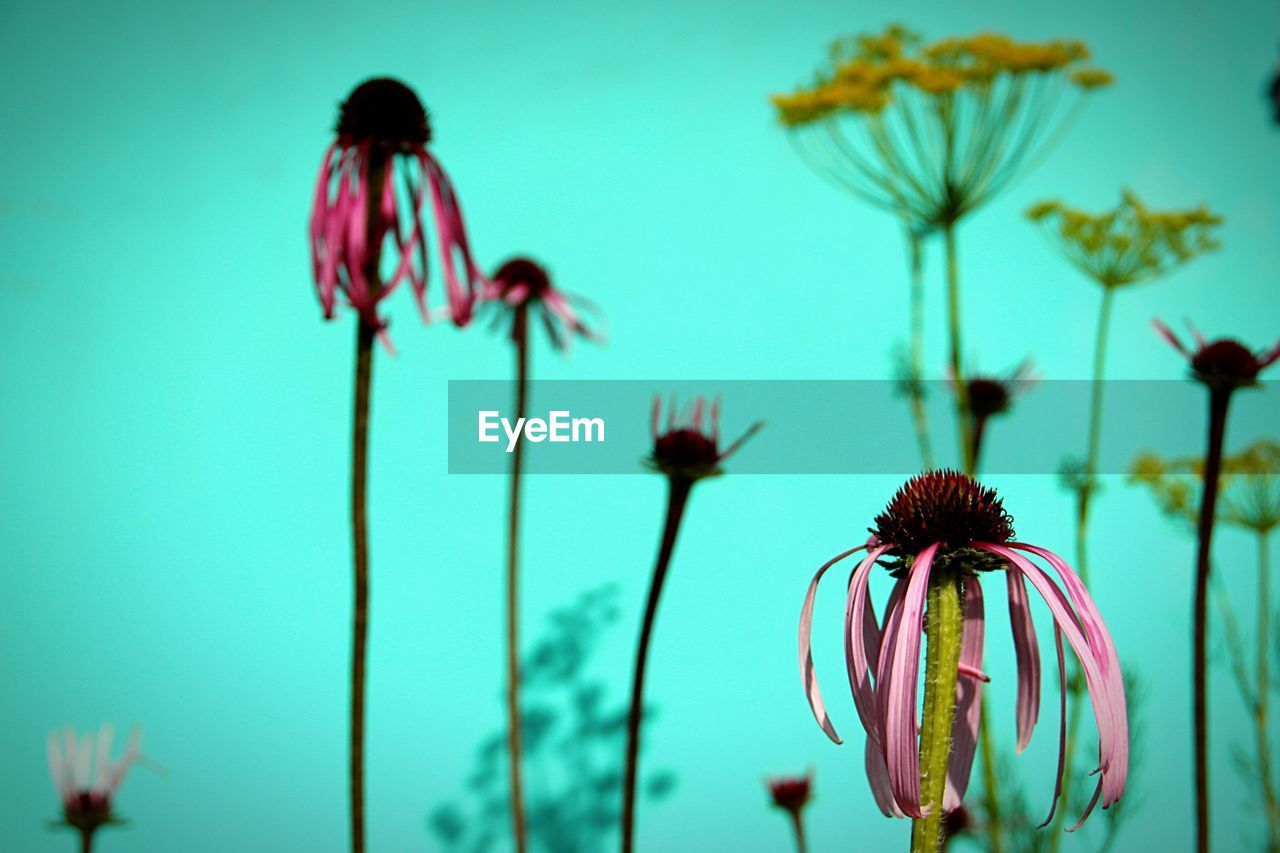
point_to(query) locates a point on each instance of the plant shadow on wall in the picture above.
(573, 739)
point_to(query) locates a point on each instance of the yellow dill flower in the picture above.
(1129, 243)
(1092, 78)
(1249, 486)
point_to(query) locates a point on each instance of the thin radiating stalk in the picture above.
(365, 335)
(918, 411)
(797, 823)
(1219, 398)
(521, 337)
(945, 621)
(677, 499)
(963, 423)
(1262, 705)
(1083, 499)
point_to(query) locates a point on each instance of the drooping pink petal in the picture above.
(1027, 653)
(964, 731)
(878, 778)
(453, 237)
(862, 643)
(1062, 725)
(898, 697)
(1108, 705)
(808, 677)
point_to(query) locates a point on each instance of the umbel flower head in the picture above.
(1222, 363)
(85, 777)
(943, 521)
(369, 195)
(791, 793)
(1248, 490)
(688, 448)
(1129, 243)
(522, 285)
(932, 131)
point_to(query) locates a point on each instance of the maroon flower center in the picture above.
(523, 272)
(88, 810)
(946, 507)
(386, 112)
(987, 397)
(685, 449)
(790, 794)
(1225, 362)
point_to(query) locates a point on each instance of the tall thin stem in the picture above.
(1219, 398)
(521, 337)
(918, 411)
(677, 499)
(963, 421)
(945, 620)
(86, 841)
(1263, 694)
(797, 823)
(365, 334)
(1083, 502)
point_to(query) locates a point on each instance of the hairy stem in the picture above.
(677, 499)
(1219, 398)
(945, 621)
(521, 336)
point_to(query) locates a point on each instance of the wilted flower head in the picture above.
(1221, 363)
(991, 98)
(1129, 243)
(522, 284)
(86, 778)
(944, 522)
(994, 395)
(1248, 486)
(688, 448)
(382, 134)
(791, 793)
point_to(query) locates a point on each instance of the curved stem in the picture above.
(797, 823)
(945, 621)
(360, 543)
(918, 411)
(963, 422)
(1219, 398)
(677, 498)
(1263, 693)
(521, 337)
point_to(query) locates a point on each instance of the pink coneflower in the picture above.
(792, 794)
(519, 287)
(938, 535)
(382, 137)
(86, 778)
(686, 451)
(1223, 366)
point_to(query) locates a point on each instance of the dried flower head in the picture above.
(522, 285)
(688, 448)
(791, 793)
(1129, 243)
(944, 507)
(1222, 363)
(85, 777)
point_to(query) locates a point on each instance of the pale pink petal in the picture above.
(102, 760)
(964, 731)
(862, 643)
(1062, 725)
(132, 752)
(1269, 357)
(58, 769)
(898, 697)
(1027, 653)
(808, 676)
(878, 778)
(1167, 333)
(83, 756)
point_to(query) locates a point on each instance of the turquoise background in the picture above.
(173, 539)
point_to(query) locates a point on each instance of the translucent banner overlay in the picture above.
(840, 427)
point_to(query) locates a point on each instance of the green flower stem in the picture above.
(963, 422)
(945, 622)
(677, 499)
(1261, 715)
(918, 411)
(521, 335)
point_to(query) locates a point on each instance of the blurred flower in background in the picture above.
(792, 794)
(86, 778)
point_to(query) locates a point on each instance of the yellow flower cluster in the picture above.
(1249, 486)
(866, 70)
(1130, 242)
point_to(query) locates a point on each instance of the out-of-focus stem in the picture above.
(521, 337)
(945, 620)
(1263, 694)
(677, 499)
(797, 823)
(963, 422)
(1219, 398)
(86, 841)
(918, 412)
